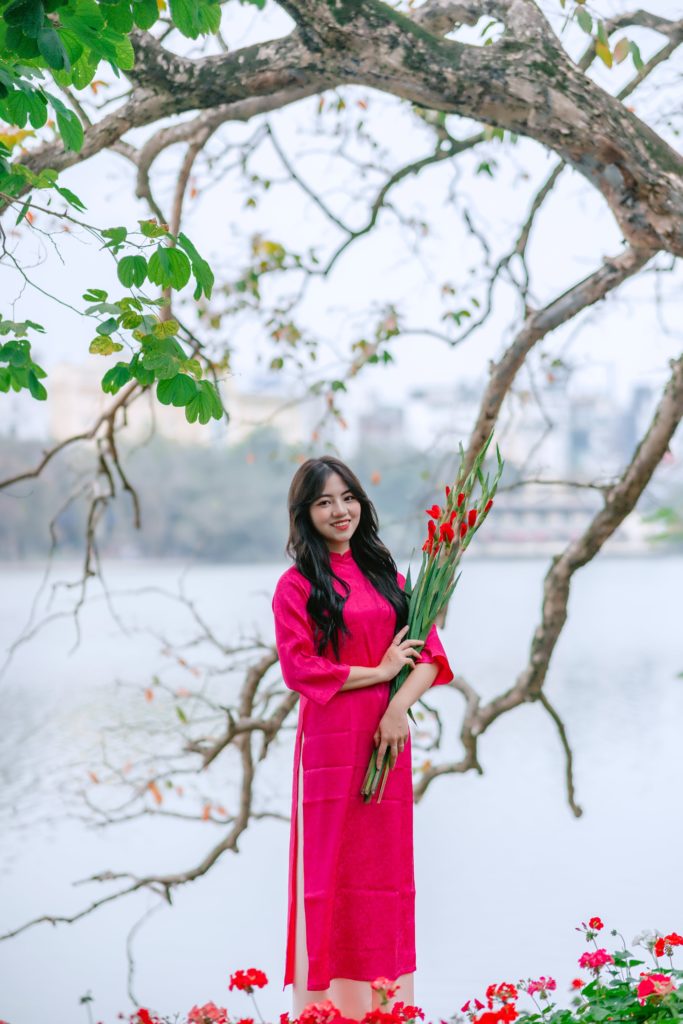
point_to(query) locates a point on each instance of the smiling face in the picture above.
(335, 513)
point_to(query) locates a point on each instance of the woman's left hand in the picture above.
(392, 733)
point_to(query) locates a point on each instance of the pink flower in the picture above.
(320, 1013)
(654, 986)
(207, 1014)
(594, 961)
(542, 985)
(384, 985)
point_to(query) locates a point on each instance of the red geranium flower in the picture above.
(665, 945)
(595, 960)
(578, 983)
(320, 1013)
(208, 1014)
(596, 924)
(654, 986)
(247, 981)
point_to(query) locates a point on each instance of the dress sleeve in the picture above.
(432, 650)
(303, 670)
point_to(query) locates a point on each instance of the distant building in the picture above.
(381, 426)
(75, 400)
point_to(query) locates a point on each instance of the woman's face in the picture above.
(335, 513)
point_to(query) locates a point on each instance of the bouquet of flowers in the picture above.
(450, 530)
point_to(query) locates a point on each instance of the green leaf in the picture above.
(145, 13)
(585, 21)
(165, 328)
(169, 268)
(205, 405)
(108, 326)
(132, 270)
(28, 15)
(52, 49)
(195, 17)
(178, 390)
(152, 229)
(115, 378)
(95, 295)
(70, 127)
(24, 210)
(104, 346)
(35, 387)
(143, 376)
(163, 356)
(116, 236)
(71, 197)
(635, 53)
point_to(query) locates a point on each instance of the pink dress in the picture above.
(357, 865)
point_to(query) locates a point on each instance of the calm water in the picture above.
(504, 872)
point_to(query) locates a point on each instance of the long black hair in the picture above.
(312, 557)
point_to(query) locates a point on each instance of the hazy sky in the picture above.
(621, 341)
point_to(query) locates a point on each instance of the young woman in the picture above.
(340, 615)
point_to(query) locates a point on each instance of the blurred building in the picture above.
(76, 399)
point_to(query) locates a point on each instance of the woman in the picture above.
(340, 615)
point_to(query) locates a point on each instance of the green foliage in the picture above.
(20, 372)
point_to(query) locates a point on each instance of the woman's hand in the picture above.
(399, 653)
(392, 733)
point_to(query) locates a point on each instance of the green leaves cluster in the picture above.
(71, 38)
(161, 358)
(19, 371)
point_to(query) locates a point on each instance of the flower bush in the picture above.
(615, 990)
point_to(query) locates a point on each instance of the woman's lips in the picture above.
(341, 526)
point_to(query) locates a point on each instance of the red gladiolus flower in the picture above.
(434, 511)
(208, 1014)
(654, 986)
(463, 528)
(431, 528)
(452, 515)
(448, 491)
(472, 517)
(247, 981)
(488, 505)
(596, 924)
(461, 498)
(446, 533)
(595, 960)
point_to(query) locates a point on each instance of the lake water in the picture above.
(504, 871)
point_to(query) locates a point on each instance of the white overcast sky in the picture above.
(619, 343)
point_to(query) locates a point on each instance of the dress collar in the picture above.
(336, 557)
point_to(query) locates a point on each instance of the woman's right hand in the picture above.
(400, 652)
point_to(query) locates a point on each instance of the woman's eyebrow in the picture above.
(347, 491)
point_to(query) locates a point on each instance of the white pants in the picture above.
(353, 998)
